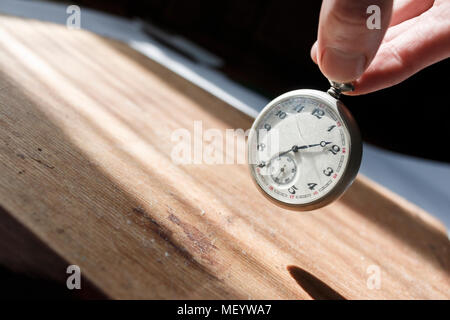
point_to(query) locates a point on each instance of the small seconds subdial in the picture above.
(301, 150)
(283, 170)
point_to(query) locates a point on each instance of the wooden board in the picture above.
(85, 144)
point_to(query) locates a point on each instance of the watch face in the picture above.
(299, 149)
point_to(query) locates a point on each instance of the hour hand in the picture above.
(294, 148)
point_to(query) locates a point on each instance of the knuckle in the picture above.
(352, 13)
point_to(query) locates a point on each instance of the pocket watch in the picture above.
(305, 148)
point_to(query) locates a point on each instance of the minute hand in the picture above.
(294, 149)
(322, 144)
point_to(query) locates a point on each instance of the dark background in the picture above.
(266, 45)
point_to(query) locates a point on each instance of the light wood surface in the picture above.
(85, 144)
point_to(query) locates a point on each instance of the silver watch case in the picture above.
(355, 144)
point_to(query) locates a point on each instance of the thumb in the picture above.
(346, 45)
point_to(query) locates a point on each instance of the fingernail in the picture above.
(314, 52)
(342, 66)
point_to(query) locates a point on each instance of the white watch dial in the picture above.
(299, 148)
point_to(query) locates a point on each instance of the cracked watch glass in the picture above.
(304, 148)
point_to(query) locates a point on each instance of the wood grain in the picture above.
(85, 144)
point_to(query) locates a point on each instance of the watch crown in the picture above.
(337, 88)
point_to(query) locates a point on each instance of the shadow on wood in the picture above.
(315, 287)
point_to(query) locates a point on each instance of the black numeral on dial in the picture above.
(292, 189)
(311, 186)
(318, 113)
(299, 108)
(334, 149)
(328, 171)
(281, 114)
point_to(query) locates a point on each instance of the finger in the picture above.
(406, 9)
(346, 46)
(400, 29)
(420, 14)
(403, 10)
(425, 43)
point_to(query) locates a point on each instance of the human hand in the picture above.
(413, 35)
